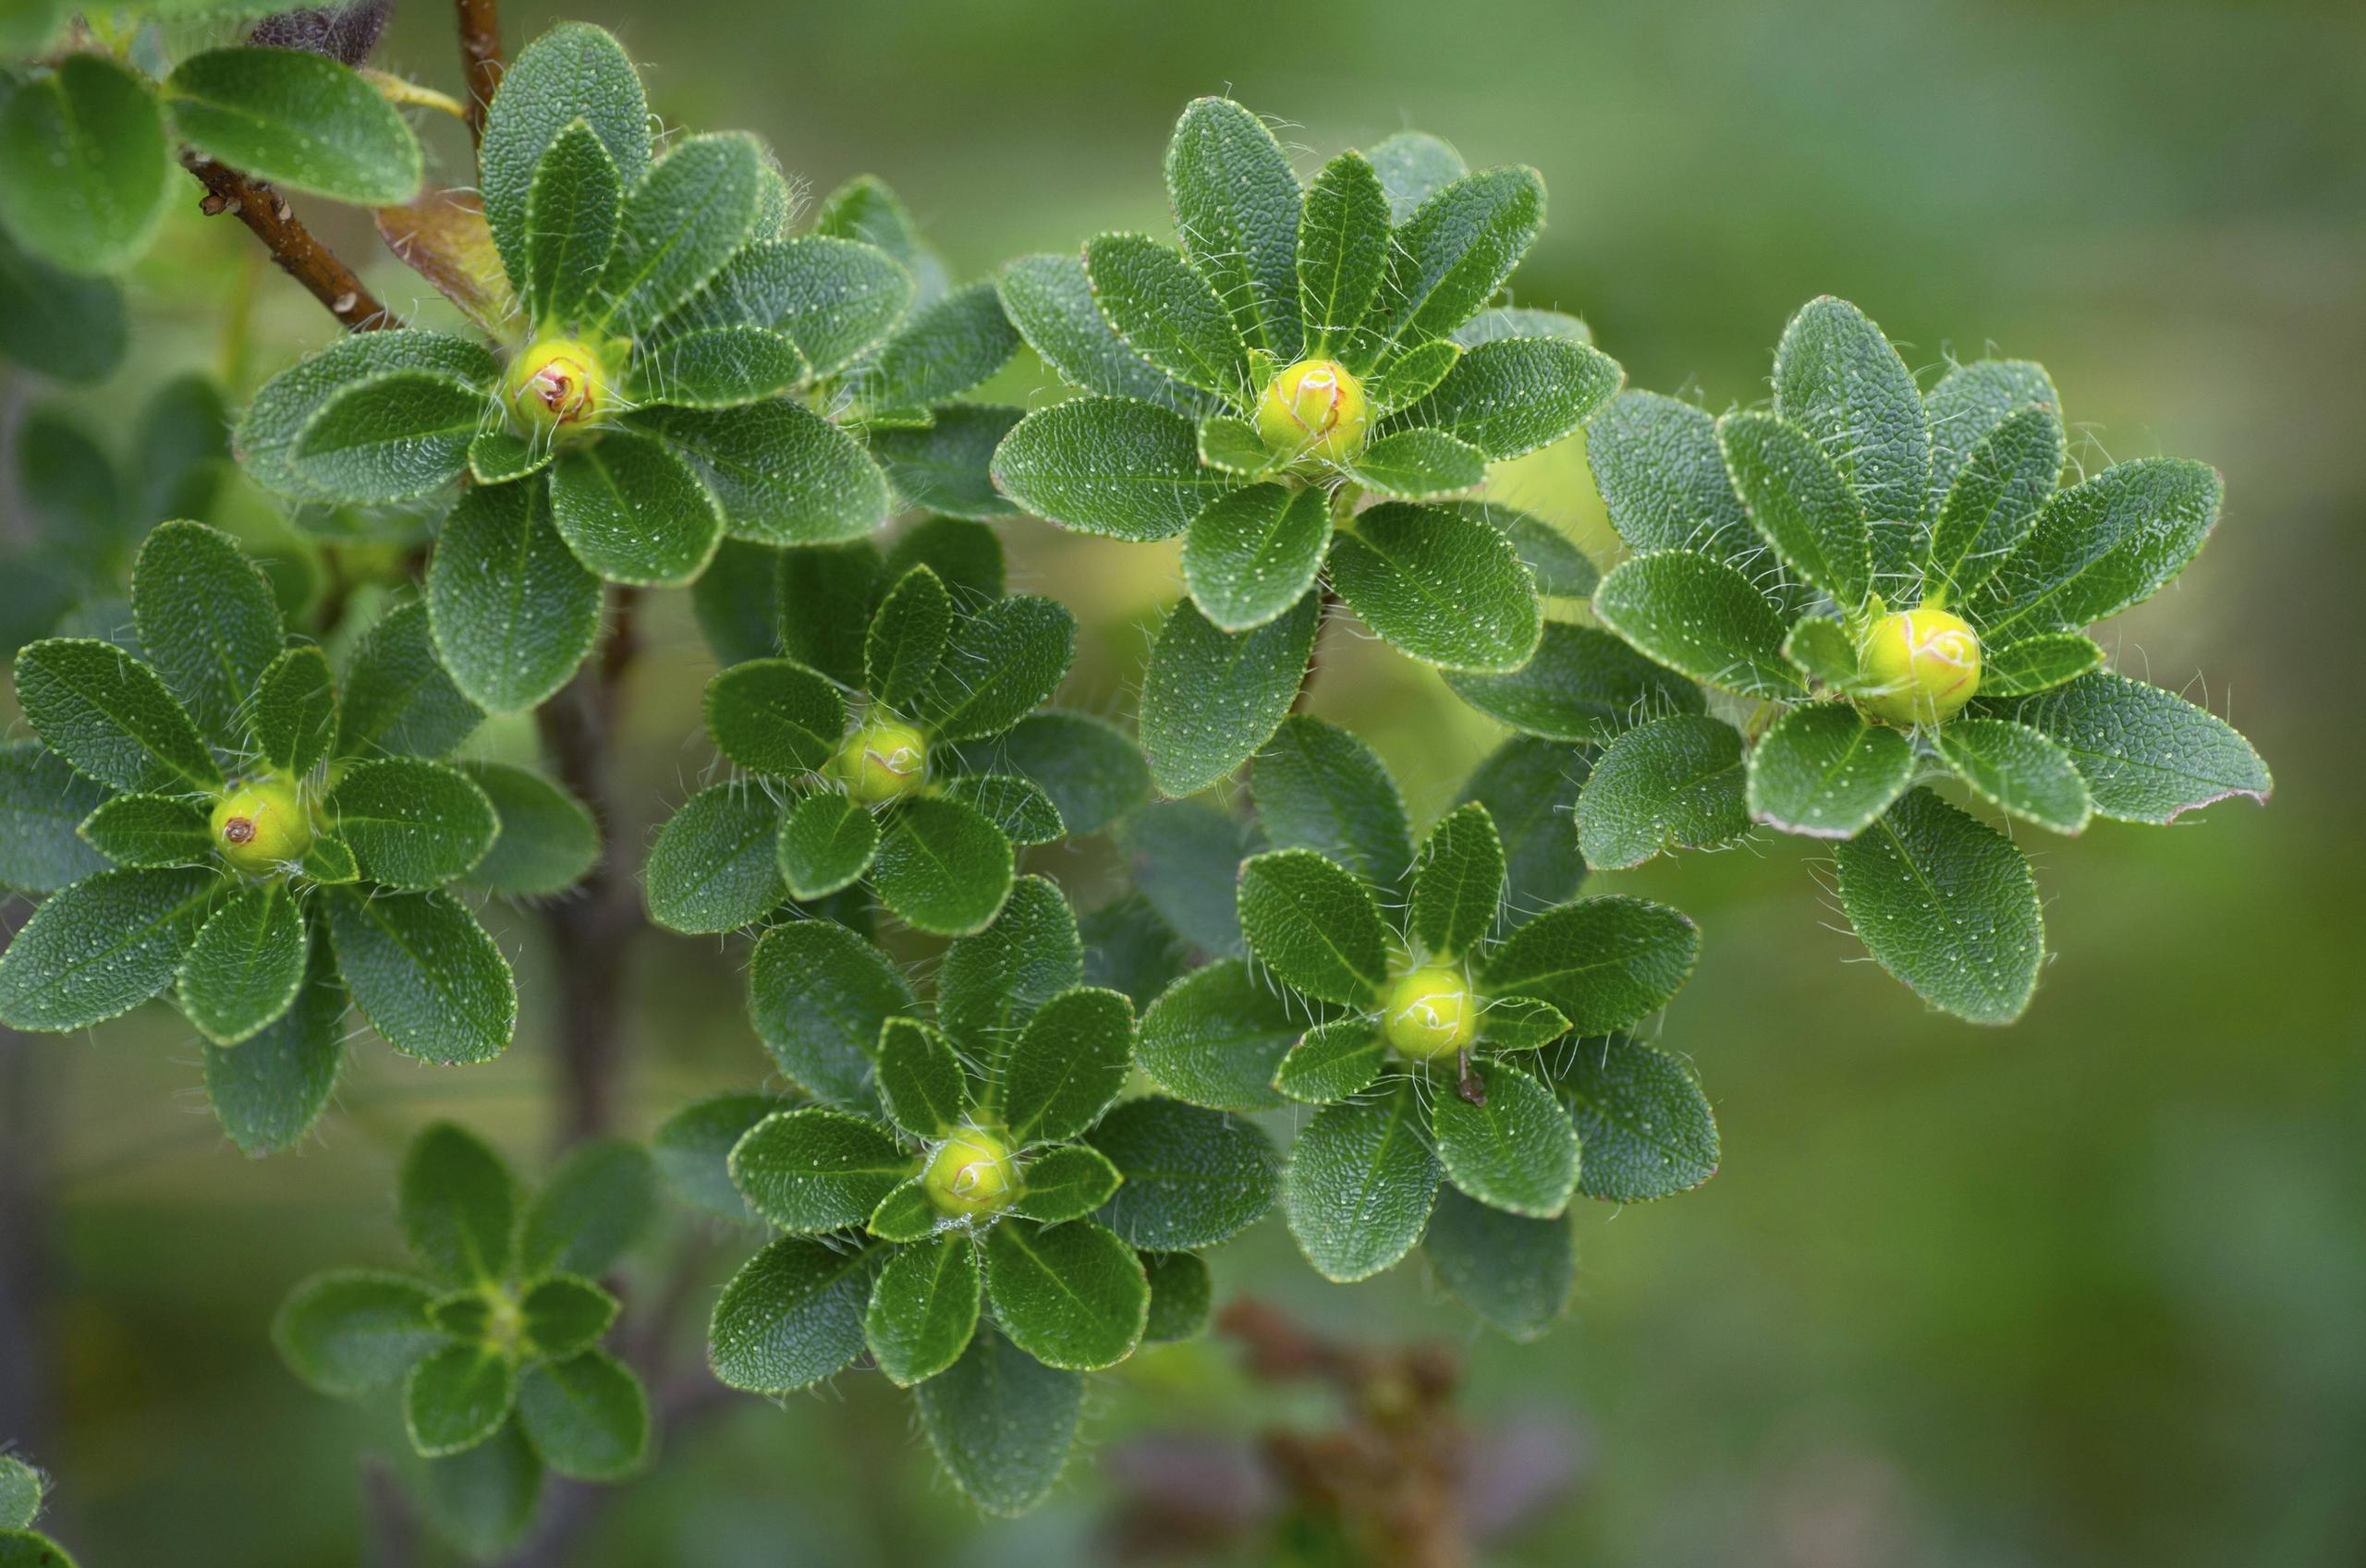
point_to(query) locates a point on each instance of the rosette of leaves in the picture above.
(963, 1203)
(1469, 1050)
(903, 764)
(671, 369)
(220, 818)
(22, 1489)
(495, 1337)
(1302, 351)
(1904, 584)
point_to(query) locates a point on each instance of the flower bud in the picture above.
(971, 1174)
(1919, 666)
(883, 760)
(1430, 1014)
(556, 383)
(1314, 409)
(262, 826)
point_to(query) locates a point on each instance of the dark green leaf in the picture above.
(1695, 614)
(945, 347)
(942, 867)
(693, 1149)
(354, 1332)
(412, 823)
(296, 119)
(482, 1500)
(1253, 553)
(41, 803)
(1456, 251)
(1582, 685)
(718, 368)
(923, 1308)
(247, 965)
(1968, 403)
(790, 1317)
(633, 511)
(1318, 787)
(775, 717)
(1314, 925)
(1800, 503)
(1215, 1038)
(82, 165)
(575, 71)
(1109, 465)
(713, 867)
(596, 1204)
(1518, 1151)
(1234, 446)
(572, 206)
(1211, 698)
(1459, 882)
(548, 841)
(1663, 481)
(782, 473)
(1515, 1272)
(458, 1207)
(1947, 904)
(945, 467)
(1360, 1184)
(1023, 812)
(587, 1416)
(1000, 1422)
(1236, 204)
(920, 1081)
(150, 830)
(814, 1170)
(1530, 788)
(207, 624)
(101, 946)
(1093, 774)
(2147, 755)
(2037, 663)
(1072, 1296)
(1994, 503)
(1186, 859)
(999, 665)
(835, 298)
(294, 713)
(1418, 465)
(271, 1088)
(1414, 166)
(906, 1215)
(1067, 1066)
(1514, 395)
(1049, 299)
(1838, 378)
(1067, 1183)
(1193, 1177)
(907, 638)
(267, 434)
(818, 994)
(992, 981)
(1333, 1061)
(1342, 251)
(682, 221)
(1167, 312)
(1181, 1295)
(966, 555)
(111, 717)
(1647, 1128)
(1604, 962)
(565, 1315)
(2099, 547)
(1825, 772)
(1673, 784)
(827, 843)
(2018, 769)
(425, 974)
(1561, 569)
(1440, 585)
(735, 602)
(397, 695)
(394, 436)
(57, 325)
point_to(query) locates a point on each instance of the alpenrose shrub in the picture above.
(1902, 585)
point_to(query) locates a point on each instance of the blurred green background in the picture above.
(2091, 1290)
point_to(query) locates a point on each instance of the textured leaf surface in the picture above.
(1413, 167)
(945, 467)
(999, 665)
(775, 717)
(398, 696)
(1968, 403)
(296, 119)
(457, 1204)
(294, 716)
(548, 841)
(267, 434)
(1066, 1066)
(713, 867)
(1948, 905)
(207, 624)
(2099, 547)
(1093, 774)
(921, 1080)
(272, 1087)
(110, 716)
(1799, 503)
(1459, 882)
(1211, 698)
(1420, 465)
(1515, 1272)
(1582, 685)
(1440, 585)
(1251, 555)
(1673, 784)
(693, 1149)
(1604, 962)
(1049, 299)
(2037, 663)
(1167, 312)
(923, 1308)
(1662, 479)
(594, 1206)
(942, 867)
(1838, 378)
(149, 830)
(1236, 203)
(682, 221)
(945, 348)
(816, 1170)
(101, 946)
(1517, 1152)
(790, 1316)
(2147, 755)
(394, 436)
(1181, 1296)
(1314, 925)
(633, 511)
(826, 841)
(1530, 788)
(1193, 1177)
(1002, 1423)
(1109, 465)
(1995, 501)
(1456, 249)
(412, 823)
(247, 965)
(717, 368)
(1825, 771)
(992, 981)
(1700, 615)
(1067, 1183)
(425, 974)
(573, 203)
(1215, 1037)
(1333, 1062)
(1509, 396)
(1360, 1184)
(1073, 1297)
(2019, 770)
(41, 803)
(818, 994)
(1647, 1128)
(1342, 251)
(574, 71)
(1318, 787)
(782, 473)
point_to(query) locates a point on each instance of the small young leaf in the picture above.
(1023, 812)
(397, 696)
(811, 1171)
(942, 867)
(296, 119)
(1049, 299)
(791, 1316)
(818, 995)
(1067, 1066)
(717, 368)
(1181, 1295)
(1456, 251)
(1521, 1023)
(1530, 788)
(715, 866)
(1582, 684)
(598, 1202)
(83, 165)
(354, 1332)
(992, 982)
(2018, 769)
(924, 1308)
(2037, 663)
(682, 221)
(266, 436)
(1418, 465)
(1948, 905)
(1236, 202)
(693, 1149)
(1517, 1152)
(1318, 787)
(1800, 503)
(999, 665)
(500, 456)
(1193, 1178)
(1414, 166)
(921, 1083)
(1215, 1038)
(1440, 585)
(572, 207)
(1459, 882)
(1673, 784)
(1067, 1183)
(2147, 755)
(1333, 1061)
(1696, 613)
(587, 1416)
(2100, 547)
(907, 638)
(1342, 251)
(1825, 772)
(41, 803)
(906, 1215)
(1253, 553)
(207, 624)
(1647, 1128)
(1211, 698)
(1167, 312)
(782, 473)
(1109, 465)
(425, 974)
(247, 965)
(150, 830)
(565, 1316)
(1093, 775)
(1512, 396)
(827, 843)
(1360, 1184)
(271, 1088)
(110, 716)
(329, 863)
(458, 1208)
(547, 842)
(1515, 1272)
(945, 467)
(1410, 374)
(1314, 925)
(1822, 648)
(1234, 446)
(1072, 1296)
(1994, 503)
(1838, 378)
(412, 823)
(101, 946)
(394, 436)
(633, 511)
(294, 714)
(1604, 962)
(1002, 1423)
(573, 72)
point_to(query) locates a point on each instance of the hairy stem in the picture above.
(480, 24)
(299, 255)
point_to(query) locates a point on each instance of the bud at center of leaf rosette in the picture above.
(883, 760)
(971, 1176)
(559, 384)
(1430, 1015)
(1919, 666)
(1315, 411)
(262, 827)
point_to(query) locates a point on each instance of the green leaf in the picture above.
(944, 348)
(1023, 812)
(1521, 1023)
(207, 624)
(1234, 446)
(2147, 755)
(458, 1206)
(1109, 465)
(1314, 925)
(999, 665)
(1236, 203)
(818, 995)
(864, 209)
(1073, 1297)
(1948, 905)
(943, 468)
(1968, 403)
(633, 511)
(83, 165)
(110, 716)
(992, 983)
(457, 1397)
(354, 1332)
(294, 712)
(1318, 787)
(575, 71)
(1838, 378)
(41, 803)
(1994, 503)
(425, 974)
(398, 696)
(565, 1315)
(1184, 856)
(101, 946)
(775, 717)
(715, 866)
(1002, 1423)
(1582, 684)
(1673, 784)
(735, 602)
(1130, 948)
(1561, 569)
(811, 1171)
(1518, 1151)
(823, 608)
(2037, 663)
(1821, 648)
(966, 555)
(412, 823)
(1420, 465)
(1067, 1066)
(942, 867)
(1342, 252)
(1181, 1295)
(246, 966)
(297, 119)
(23, 1549)
(329, 863)
(1215, 1037)
(1514, 395)
(835, 298)
(482, 1500)
(1825, 772)
(1647, 1129)
(1253, 553)
(1604, 962)
(1459, 882)
(1800, 503)
(1333, 1061)
(1698, 615)
(394, 436)
(907, 638)
(272, 1087)
(2100, 547)
(2019, 770)
(1499, 322)
(921, 1082)
(587, 1416)
(1663, 481)
(1049, 299)
(1456, 250)
(1414, 166)
(693, 1149)
(150, 830)
(572, 206)
(682, 221)
(827, 843)
(1530, 788)
(57, 325)
(1193, 1177)
(1440, 585)
(1410, 374)
(791, 1316)
(547, 842)
(1211, 698)
(923, 1308)
(1168, 312)
(717, 368)
(782, 473)
(599, 1201)
(1091, 772)
(1515, 1272)
(266, 436)
(905, 1215)
(1360, 1184)
(1067, 1183)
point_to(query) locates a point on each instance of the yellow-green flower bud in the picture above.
(1315, 409)
(971, 1176)
(1430, 1014)
(1920, 667)
(882, 761)
(262, 826)
(557, 383)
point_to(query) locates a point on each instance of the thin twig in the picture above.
(480, 22)
(299, 255)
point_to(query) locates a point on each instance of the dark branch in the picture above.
(299, 255)
(480, 22)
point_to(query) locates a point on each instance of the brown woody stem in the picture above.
(480, 23)
(299, 255)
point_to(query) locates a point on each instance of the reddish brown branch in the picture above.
(480, 22)
(299, 255)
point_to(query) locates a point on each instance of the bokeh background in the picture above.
(2091, 1290)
